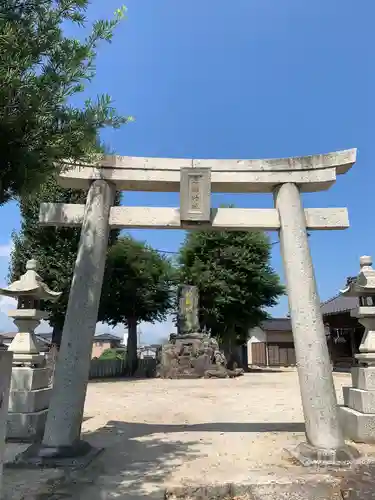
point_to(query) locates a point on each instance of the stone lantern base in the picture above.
(357, 416)
(28, 403)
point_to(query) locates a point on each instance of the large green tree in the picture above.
(235, 280)
(40, 70)
(54, 248)
(138, 286)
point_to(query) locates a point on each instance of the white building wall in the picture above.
(256, 335)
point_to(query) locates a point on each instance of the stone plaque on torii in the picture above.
(286, 179)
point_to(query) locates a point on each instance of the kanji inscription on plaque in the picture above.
(195, 195)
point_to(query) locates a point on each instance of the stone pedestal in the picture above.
(5, 373)
(194, 356)
(29, 390)
(28, 403)
(358, 415)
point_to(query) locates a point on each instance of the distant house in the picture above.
(103, 342)
(271, 344)
(147, 351)
(100, 342)
(345, 331)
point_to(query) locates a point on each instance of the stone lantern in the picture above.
(30, 391)
(29, 290)
(358, 413)
(364, 288)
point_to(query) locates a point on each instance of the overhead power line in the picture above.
(175, 253)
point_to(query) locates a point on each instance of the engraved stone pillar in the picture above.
(325, 441)
(63, 426)
(188, 317)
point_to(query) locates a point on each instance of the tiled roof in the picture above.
(7, 336)
(45, 336)
(277, 324)
(45, 340)
(338, 304)
(106, 337)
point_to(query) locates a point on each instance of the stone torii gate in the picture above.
(196, 179)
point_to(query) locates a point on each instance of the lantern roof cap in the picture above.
(30, 284)
(364, 284)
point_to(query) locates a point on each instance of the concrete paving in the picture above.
(176, 435)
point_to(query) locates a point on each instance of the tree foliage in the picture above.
(55, 249)
(113, 354)
(138, 286)
(234, 277)
(40, 70)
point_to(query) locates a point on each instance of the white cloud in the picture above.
(155, 333)
(6, 250)
(6, 323)
(149, 333)
(44, 327)
(7, 303)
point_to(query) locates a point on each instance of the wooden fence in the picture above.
(146, 368)
(111, 368)
(106, 368)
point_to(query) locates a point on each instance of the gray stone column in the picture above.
(318, 395)
(5, 377)
(63, 426)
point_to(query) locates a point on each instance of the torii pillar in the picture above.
(286, 179)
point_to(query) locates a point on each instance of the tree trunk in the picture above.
(227, 346)
(231, 351)
(56, 336)
(131, 362)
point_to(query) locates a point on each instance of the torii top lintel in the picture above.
(310, 173)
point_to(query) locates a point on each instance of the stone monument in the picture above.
(29, 390)
(191, 353)
(358, 413)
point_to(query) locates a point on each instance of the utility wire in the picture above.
(175, 253)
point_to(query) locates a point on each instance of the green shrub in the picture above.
(113, 354)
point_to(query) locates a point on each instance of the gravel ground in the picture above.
(159, 433)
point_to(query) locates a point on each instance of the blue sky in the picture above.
(244, 79)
